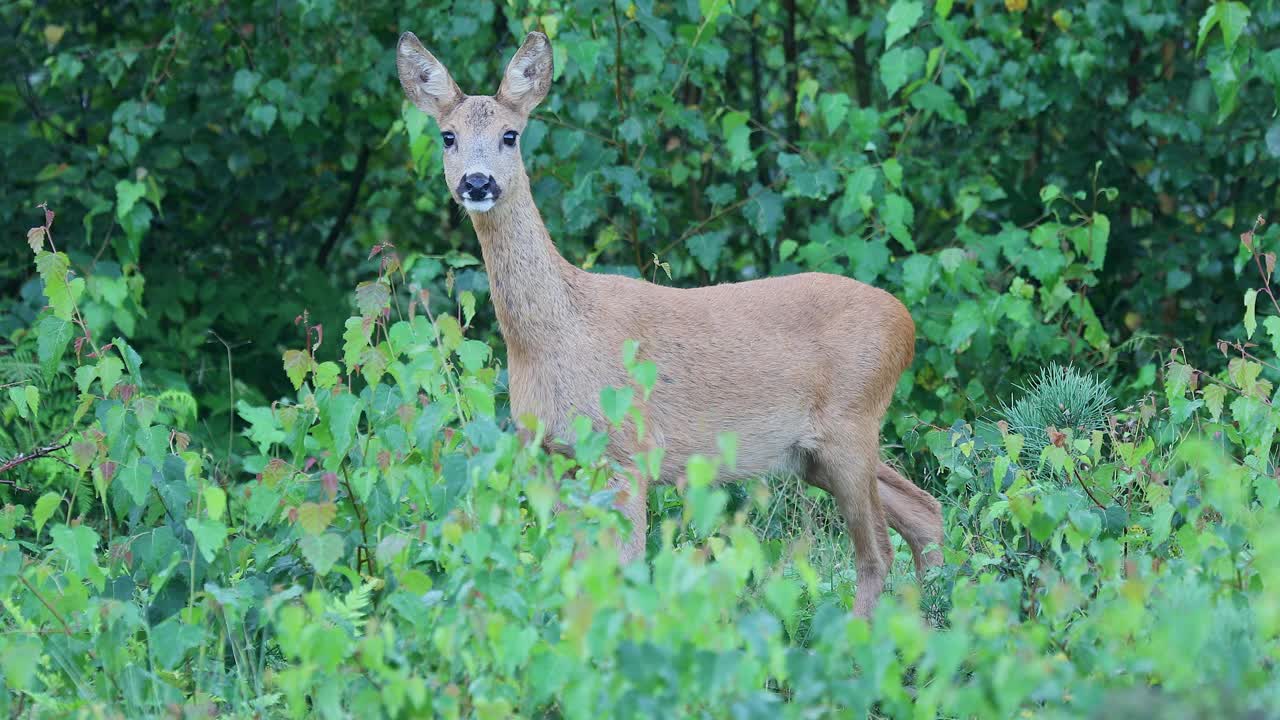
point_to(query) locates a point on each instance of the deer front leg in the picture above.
(631, 498)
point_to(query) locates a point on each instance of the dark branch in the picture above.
(22, 458)
(357, 181)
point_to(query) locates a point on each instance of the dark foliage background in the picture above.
(230, 484)
(221, 168)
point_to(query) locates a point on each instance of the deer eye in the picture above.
(509, 138)
(448, 138)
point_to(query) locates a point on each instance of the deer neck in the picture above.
(529, 281)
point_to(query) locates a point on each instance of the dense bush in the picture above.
(227, 490)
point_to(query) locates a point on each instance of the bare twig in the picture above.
(65, 627)
(21, 458)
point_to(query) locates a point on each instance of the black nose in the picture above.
(477, 186)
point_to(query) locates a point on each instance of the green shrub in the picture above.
(1061, 399)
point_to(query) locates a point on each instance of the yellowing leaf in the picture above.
(1214, 396)
(313, 518)
(297, 364)
(35, 238)
(53, 268)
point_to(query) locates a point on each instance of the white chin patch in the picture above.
(478, 205)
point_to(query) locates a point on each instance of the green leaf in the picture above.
(966, 320)
(321, 551)
(326, 374)
(737, 138)
(110, 368)
(45, 507)
(85, 375)
(834, 108)
(210, 536)
(263, 116)
(19, 400)
(892, 170)
(933, 98)
(1250, 319)
(33, 399)
(645, 373)
(898, 216)
(355, 340)
(902, 17)
(473, 354)
(79, 544)
(899, 65)
(344, 416)
(52, 335)
(136, 479)
(616, 402)
(215, 502)
(1272, 325)
(1230, 16)
(706, 247)
(245, 82)
(943, 8)
(128, 193)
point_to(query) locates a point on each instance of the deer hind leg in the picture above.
(847, 470)
(914, 514)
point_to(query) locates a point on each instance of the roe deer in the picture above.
(802, 367)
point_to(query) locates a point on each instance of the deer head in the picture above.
(480, 133)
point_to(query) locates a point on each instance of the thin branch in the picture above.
(65, 627)
(357, 181)
(21, 458)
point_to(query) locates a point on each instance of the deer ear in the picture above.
(425, 81)
(528, 75)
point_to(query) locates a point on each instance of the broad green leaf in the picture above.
(1230, 16)
(899, 65)
(326, 374)
(80, 545)
(45, 507)
(737, 137)
(899, 216)
(706, 247)
(1250, 319)
(52, 335)
(473, 354)
(355, 340)
(834, 108)
(19, 399)
(616, 402)
(109, 370)
(215, 502)
(901, 18)
(344, 418)
(210, 536)
(321, 551)
(128, 193)
(1272, 325)
(136, 479)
